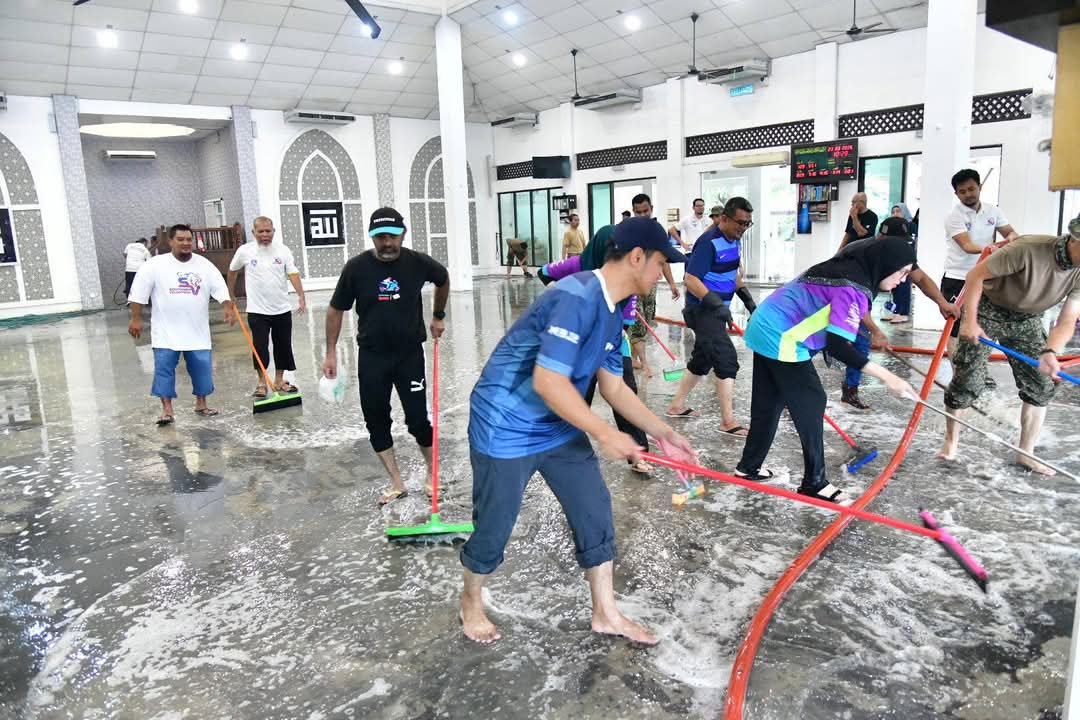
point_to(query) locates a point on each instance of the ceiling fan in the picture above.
(692, 70)
(577, 95)
(855, 32)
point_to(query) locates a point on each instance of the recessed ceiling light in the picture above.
(239, 51)
(366, 29)
(396, 68)
(188, 6)
(633, 23)
(108, 38)
(137, 130)
(519, 59)
(510, 17)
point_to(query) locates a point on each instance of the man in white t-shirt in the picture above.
(180, 285)
(691, 227)
(268, 268)
(135, 254)
(969, 228)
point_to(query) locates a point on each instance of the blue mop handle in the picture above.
(1029, 360)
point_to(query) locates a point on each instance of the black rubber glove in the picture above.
(712, 302)
(747, 299)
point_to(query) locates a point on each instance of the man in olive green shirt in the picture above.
(1005, 298)
(573, 240)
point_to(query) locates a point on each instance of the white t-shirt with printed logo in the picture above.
(266, 276)
(180, 292)
(980, 225)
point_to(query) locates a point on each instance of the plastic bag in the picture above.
(333, 391)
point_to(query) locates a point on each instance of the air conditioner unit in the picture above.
(518, 120)
(129, 154)
(747, 71)
(319, 117)
(780, 157)
(3, 101)
(611, 99)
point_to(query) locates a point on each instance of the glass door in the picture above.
(882, 179)
(600, 206)
(717, 188)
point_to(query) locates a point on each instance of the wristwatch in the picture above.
(439, 315)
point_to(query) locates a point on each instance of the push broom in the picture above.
(932, 530)
(862, 455)
(434, 530)
(278, 400)
(673, 373)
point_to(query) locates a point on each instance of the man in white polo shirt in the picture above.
(969, 228)
(268, 268)
(692, 226)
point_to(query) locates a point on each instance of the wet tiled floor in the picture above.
(236, 567)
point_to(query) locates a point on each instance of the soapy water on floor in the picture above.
(237, 567)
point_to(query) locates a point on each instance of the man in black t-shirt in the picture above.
(861, 223)
(384, 283)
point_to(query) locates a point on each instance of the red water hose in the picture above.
(744, 659)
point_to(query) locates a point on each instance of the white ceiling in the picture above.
(312, 53)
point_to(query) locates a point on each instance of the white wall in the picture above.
(871, 74)
(26, 125)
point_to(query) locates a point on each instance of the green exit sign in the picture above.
(747, 89)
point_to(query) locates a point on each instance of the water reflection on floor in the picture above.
(236, 567)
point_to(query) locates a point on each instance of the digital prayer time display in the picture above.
(825, 162)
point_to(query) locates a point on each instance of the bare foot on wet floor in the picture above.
(476, 624)
(947, 451)
(1034, 466)
(624, 627)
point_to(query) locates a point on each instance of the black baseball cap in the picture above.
(646, 234)
(386, 220)
(895, 227)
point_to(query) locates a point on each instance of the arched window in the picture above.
(24, 260)
(322, 220)
(427, 204)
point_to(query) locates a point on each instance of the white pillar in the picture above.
(950, 81)
(672, 190)
(824, 237)
(452, 129)
(1072, 678)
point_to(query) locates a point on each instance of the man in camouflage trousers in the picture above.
(1005, 297)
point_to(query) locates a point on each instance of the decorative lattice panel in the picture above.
(750, 138)
(514, 171)
(625, 155)
(880, 122)
(996, 107)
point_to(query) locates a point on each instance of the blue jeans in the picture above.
(573, 474)
(199, 367)
(901, 296)
(862, 343)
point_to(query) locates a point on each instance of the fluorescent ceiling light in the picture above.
(519, 59)
(396, 68)
(633, 23)
(239, 51)
(188, 6)
(137, 130)
(108, 38)
(510, 17)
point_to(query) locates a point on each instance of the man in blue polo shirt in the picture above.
(713, 277)
(528, 415)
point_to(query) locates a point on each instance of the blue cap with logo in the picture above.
(647, 234)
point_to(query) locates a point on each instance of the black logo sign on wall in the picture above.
(7, 239)
(324, 223)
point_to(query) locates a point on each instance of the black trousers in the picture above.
(279, 329)
(622, 423)
(713, 349)
(797, 386)
(381, 370)
(129, 277)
